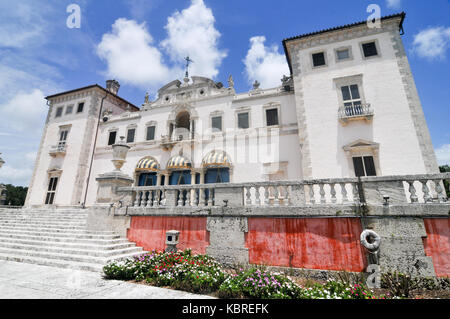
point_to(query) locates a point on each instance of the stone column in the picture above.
(158, 179)
(166, 178)
(193, 173)
(229, 230)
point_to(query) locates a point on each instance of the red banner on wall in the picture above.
(322, 243)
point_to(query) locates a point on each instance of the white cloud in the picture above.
(265, 64)
(192, 32)
(139, 9)
(443, 154)
(432, 43)
(22, 24)
(25, 113)
(15, 176)
(131, 55)
(134, 58)
(394, 4)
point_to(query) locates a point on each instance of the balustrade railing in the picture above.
(411, 189)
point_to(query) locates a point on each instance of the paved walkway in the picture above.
(29, 281)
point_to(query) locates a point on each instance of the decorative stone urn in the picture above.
(120, 151)
(109, 183)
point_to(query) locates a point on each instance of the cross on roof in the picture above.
(188, 60)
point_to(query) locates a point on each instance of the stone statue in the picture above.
(146, 98)
(230, 82)
(256, 85)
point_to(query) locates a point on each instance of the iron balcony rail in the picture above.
(354, 111)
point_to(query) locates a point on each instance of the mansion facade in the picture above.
(349, 108)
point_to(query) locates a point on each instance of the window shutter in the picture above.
(318, 59)
(272, 117)
(370, 49)
(216, 123)
(370, 166)
(130, 135)
(112, 138)
(243, 120)
(358, 165)
(150, 133)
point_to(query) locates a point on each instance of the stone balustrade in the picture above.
(341, 191)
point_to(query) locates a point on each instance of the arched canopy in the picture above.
(179, 162)
(147, 164)
(216, 159)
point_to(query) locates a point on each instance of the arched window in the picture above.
(180, 168)
(146, 171)
(217, 165)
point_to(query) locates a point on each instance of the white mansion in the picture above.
(349, 108)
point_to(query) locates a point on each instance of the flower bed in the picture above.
(202, 274)
(181, 270)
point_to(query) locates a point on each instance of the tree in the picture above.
(446, 169)
(15, 195)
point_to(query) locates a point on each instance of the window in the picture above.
(130, 135)
(369, 49)
(364, 166)
(151, 133)
(243, 122)
(80, 107)
(352, 100)
(62, 139)
(49, 199)
(272, 117)
(343, 54)
(69, 109)
(216, 123)
(112, 138)
(318, 59)
(59, 111)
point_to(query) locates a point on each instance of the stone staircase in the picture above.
(59, 238)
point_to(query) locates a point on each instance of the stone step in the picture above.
(69, 236)
(2, 215)
(66, 257)
(43, 226)
(80, 241)
(89, 245)
(55, 217)
(53, 262)
(42, 220)
(70, 251)
(81, 230)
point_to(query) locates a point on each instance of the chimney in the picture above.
(113, 86)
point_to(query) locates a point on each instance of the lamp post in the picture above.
(120, 150)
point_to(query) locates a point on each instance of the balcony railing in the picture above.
(59, 149)
(410, 189)
(355, 112)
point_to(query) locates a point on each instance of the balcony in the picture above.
(355, 112)
(58, 150)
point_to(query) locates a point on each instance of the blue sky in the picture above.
(40, 55)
